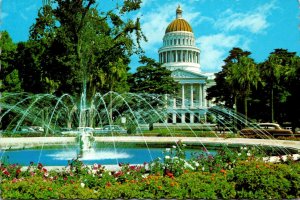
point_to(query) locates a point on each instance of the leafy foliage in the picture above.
(153, 78)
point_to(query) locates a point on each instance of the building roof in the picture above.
(179, 24)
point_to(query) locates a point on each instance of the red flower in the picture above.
(108, 184)
(40, 166)
(18, 171)
(169, 174)
(6, 172)
(132, 167)
(117, 174)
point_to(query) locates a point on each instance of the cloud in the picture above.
(214, 49)
(154, 22)
(254, 21)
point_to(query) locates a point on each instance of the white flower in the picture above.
(187, 165)
(184, 145)
(203, 168)
(168, 149)
(167, 157)
(94, 171)
(82, 185)
(248, 154)
(175, 158)
(174, 147)
(239, 154)
(196, 164)
(46, 174)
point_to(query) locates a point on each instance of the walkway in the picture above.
(27, 142)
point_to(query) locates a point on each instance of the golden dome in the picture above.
(179, 24)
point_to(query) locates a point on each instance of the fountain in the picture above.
(52, 113)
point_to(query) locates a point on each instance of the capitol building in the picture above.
(180, 54)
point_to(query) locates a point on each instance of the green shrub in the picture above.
(259, 180)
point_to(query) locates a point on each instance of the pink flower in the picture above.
(132, 167)
(117, 174)
(45, 170)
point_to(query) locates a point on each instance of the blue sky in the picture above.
(258, 26)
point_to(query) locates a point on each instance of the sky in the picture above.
(258, 26)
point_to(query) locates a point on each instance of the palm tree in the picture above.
(241, 77)
(273, 72)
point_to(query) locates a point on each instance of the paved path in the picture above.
(26, 142)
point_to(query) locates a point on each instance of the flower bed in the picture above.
(229, 174)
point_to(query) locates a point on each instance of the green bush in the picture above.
(259, 180)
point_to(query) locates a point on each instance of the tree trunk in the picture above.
(235, 113)
(246, 109)
(272, 105)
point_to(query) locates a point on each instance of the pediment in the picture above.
(179, 73)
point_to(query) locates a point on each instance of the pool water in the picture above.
(104, 156)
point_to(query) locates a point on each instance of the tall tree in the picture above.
(9, 74)
(83, 44)
(153, 78)
(222, 92)
(243, 76)
(292, 77)
(274, 71)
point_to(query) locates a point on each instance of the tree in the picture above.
(153, 78)
(242, 76)
(292, 77)
(9, 74)
(273, 72)
(83, 44)
(222, 92)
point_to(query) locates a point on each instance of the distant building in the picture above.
(180, 55)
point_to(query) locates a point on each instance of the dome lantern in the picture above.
(179, 24)
(178, 12)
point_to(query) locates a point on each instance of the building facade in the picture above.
(180, 54)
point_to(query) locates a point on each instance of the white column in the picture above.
(200, 96)
(204, 96)
(187, 56)
(182, 95)
(176, 56)
(181, 55)
(192, 118)
(174, 118)
(183, 118)
(192, 97)
(174, 102)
